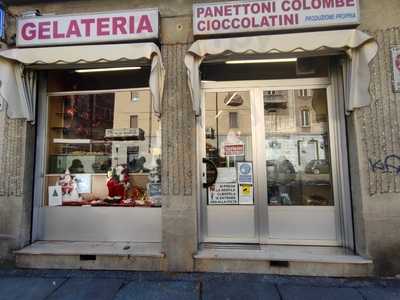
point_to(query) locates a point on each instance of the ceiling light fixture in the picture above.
(107, 69)
(262, 61)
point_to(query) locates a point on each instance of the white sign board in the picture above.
(55, 195)
(245, 172)
(396, 68)
(226, 175)
(272, 15)
(223, 194)
(88, 28)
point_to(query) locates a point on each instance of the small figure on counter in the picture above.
(123, 173)
(69, 187)
(118, 183)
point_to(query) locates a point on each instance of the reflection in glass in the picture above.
(110, 142)
(228, 135)
(228, 121)
(297, 147)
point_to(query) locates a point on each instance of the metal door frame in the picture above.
(202, 197)
(338, 147)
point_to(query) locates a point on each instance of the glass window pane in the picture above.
(103, 149)
(229, 145)
(297, 147)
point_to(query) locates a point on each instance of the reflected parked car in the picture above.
(317, 166)
(280, 172)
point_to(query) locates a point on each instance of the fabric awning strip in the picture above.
(360, 47)
(78, 55)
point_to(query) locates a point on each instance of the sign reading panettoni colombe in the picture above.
(90, 28)
(267, 15)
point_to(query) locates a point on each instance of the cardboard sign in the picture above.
(246, 194)
(223, 194)
(268, 15)
(396, 69)
(245, 172)
(234, 150)
(88, 28)
(55, 195)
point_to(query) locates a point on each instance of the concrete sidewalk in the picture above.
(105, 285)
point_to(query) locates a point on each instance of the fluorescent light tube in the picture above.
(106, 69)
(219, 114)
(261, 61)
(231, 98)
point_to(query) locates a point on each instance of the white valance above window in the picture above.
(19, 100)
(360, 48)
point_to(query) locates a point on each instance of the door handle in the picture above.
(211, 172)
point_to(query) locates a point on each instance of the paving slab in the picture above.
(374, 293)
(238, 290)
(87, 288)
(292, 292)
(160, 290)
(26, 288)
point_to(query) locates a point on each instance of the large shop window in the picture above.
(103, 148)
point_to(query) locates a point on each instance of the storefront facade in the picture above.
(234, 136)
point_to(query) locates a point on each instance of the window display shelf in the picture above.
(105, 204)
(58, 163)
(83, 154)
(80, 141)
(93, 174)
(57, 128)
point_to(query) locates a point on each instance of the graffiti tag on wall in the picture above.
(391, 164)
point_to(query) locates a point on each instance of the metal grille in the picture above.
(231, 246)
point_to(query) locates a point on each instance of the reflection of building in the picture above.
(296, 126)
(229, 113)
(300, 149)
(295, 111)
(133, 109)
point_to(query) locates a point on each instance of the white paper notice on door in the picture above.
(226, 175)
(55, 195)
(223, 194)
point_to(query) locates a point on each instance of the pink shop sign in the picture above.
(88, 28)
(273, 15)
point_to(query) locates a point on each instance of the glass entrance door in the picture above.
(269, 156)
(301, 205)
(228, 181)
